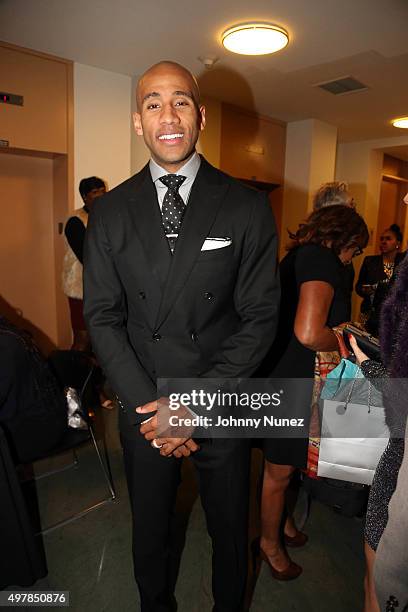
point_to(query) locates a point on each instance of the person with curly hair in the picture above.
(312, 303)
(330, 194)
(333, 193)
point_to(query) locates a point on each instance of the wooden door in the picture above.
(391, 208)
(27, 268)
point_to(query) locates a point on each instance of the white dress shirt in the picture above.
(189, 170)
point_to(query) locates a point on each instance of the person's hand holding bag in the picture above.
(360, 356)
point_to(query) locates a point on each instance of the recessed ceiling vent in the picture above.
(344, 85)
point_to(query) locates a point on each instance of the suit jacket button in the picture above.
(156, 337)
(142, 295)
(121, 405)
(208, 295)
(194, 336)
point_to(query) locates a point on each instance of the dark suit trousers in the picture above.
(223, 473)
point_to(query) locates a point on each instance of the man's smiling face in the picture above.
(169, 117)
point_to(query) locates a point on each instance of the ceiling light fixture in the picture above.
(402, 122)
(255, 38)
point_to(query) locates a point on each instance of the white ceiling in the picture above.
(366, 39)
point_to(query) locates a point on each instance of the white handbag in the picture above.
(353, 438)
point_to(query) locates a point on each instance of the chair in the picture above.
(22, 561)
(76, 369)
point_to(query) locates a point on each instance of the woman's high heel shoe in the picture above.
(297, 540)
(289, 573)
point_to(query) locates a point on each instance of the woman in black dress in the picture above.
(313, 301)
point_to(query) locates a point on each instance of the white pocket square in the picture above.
(210, 244)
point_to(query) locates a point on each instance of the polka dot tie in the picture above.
(173, 207)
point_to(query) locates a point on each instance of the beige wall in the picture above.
(102, 124)
(309, 162)
(252, 145)
(297, 171)
(27, 264)
(361, 168)
(323, 157)
(209, 143)
(360, 164)
(139, 153)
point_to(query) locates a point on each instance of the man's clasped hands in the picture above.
(167, 441)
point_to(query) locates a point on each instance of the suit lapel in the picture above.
(205, 200)
(145, 211)
(380, 268)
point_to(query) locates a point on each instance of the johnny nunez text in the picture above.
(230, 421)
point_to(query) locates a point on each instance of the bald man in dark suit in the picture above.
(180, 282)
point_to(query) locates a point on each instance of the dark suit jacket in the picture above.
(33, 411)
(209, 314)
(372, 272)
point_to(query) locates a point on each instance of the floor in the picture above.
(91, 557)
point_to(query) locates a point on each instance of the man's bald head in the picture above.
(169, 115)
(165, 68)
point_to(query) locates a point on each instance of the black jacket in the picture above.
(33, 410)
(210, 314)
(372, 272)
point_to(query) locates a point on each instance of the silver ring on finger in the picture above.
(155, 445)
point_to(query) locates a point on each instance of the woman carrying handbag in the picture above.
(313, 302)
